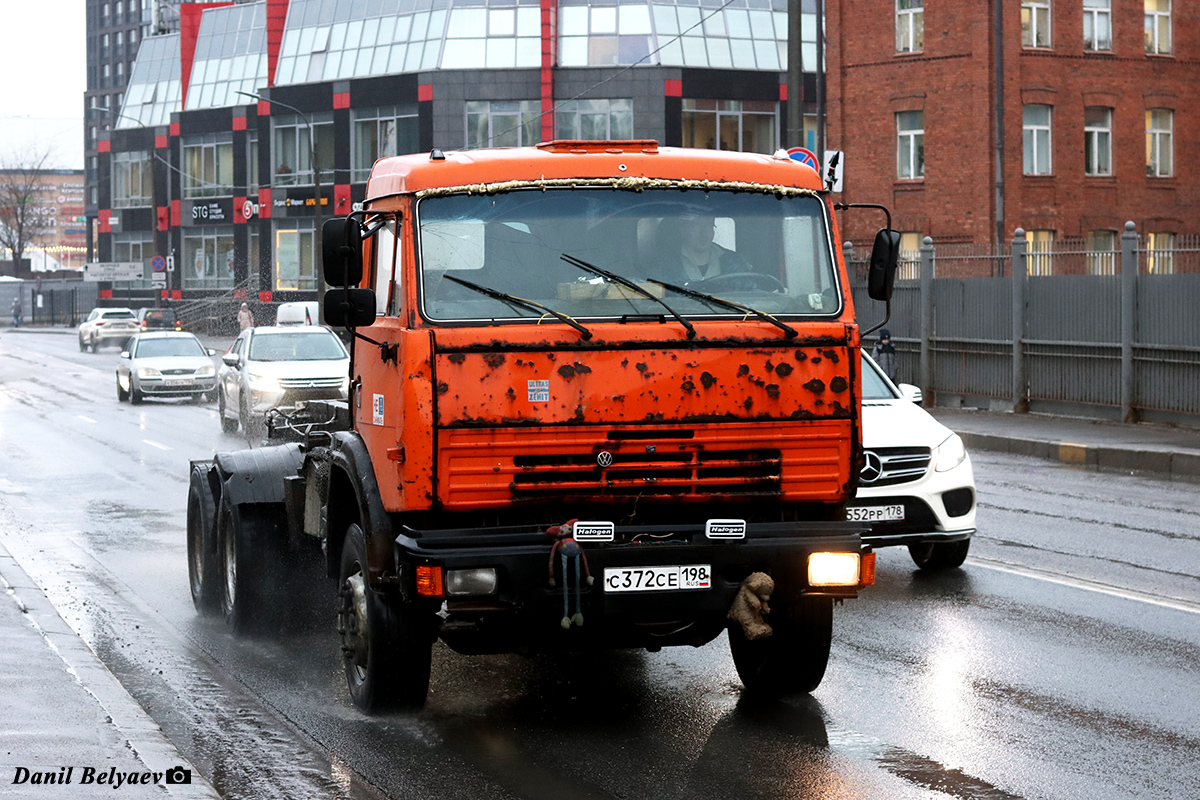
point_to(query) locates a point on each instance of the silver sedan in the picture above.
(165, 364)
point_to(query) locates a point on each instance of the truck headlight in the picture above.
(950, 454)
(471, 581)
(833, 569)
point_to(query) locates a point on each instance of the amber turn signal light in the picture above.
(429, 581)
(867, 578)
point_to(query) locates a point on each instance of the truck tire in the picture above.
(793, 658)
(204, 573)
(387, 654)
(245, 540)
(934, 556)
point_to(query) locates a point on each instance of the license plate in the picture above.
(657, 579)
(176, 383)
(875, 513)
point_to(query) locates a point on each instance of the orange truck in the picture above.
(603, 395)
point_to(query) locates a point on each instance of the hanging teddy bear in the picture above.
(569, 550)
(751, 603)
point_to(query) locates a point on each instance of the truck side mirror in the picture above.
(349, 308)
(885, 256)
(341, 256)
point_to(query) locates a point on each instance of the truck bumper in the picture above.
(526, 611)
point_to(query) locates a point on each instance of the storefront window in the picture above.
(294, 257)
(209, 257)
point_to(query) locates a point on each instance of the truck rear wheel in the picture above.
(387, 654)
(932, 556)
(245, 538)
(203, 564)
(793, 658)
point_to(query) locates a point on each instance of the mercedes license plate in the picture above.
(875, 513)
(657, 579)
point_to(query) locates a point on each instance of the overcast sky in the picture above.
(44, 63)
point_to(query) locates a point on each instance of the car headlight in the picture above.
(263, 383)
(148, 372)
(949, 454)
(206, 372)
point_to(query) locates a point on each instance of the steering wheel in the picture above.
(756, 279)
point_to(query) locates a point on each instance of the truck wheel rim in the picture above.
(353, 624)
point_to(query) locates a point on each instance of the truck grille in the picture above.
(885, 466)
(493, 467)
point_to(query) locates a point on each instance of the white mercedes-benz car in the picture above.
(917, 487)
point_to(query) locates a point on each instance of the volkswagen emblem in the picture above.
(604, 458)
(872, 468)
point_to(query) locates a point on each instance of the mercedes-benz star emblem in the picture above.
(604, 458)
(872, 469)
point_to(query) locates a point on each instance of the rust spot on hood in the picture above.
(688, 387)
(783, 370)
(707, 380)
(801, 356)
(456, 358)
(442, 387)
(493, 360)
(816, 386)
(744, 369)
(773, 391)
(566, 371)
(839, 384)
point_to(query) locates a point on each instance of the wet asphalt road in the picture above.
(1063, 661)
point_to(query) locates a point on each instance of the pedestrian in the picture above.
(245, 318)
(884, 353)
(16, 309)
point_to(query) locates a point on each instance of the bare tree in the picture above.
(21, 177)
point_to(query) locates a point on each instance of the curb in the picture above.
(1177, 466)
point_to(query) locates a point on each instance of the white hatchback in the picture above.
(279, 367)
(917, 487)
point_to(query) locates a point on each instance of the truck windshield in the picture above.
(769, 253)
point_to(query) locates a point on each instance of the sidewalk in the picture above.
(1166, 450)
(65, 716)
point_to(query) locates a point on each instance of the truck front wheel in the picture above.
(793, 658)
(387, 653)
(203, 564)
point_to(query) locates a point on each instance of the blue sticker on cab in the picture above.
(539, 391)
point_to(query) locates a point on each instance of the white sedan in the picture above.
(165, 364)
(916, 487)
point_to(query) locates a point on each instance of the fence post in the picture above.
(1020, 400)
(1129, 273)
(925, 371)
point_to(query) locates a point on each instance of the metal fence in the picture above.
(1108, 334)
(47, 302)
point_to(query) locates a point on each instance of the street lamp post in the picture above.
(312, 153)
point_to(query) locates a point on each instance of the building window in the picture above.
(1101, 253)
(1158, 26)
(208, 257)
(1040, 252)
(132, 180)
(293, 148)
(252, 181)
(746, 125)
(594, 119)
(382, 132)
(1097, 24)
(1097, 141)
(208, 165)
(503, 123)
(910, 25)
(910, 256)
(1160, 253)
(295, 264)
(1036, 135)
(1035, 23)
(910, 145)
(132, 246)
(1159, 123)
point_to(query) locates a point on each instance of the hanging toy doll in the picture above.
(569, 550)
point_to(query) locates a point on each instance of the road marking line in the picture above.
(86, 419)
(1175, 603)
(156, 444)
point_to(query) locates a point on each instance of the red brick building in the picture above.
(1062, 117)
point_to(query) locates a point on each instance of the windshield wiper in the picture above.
(615, 278)
(787, 329)
(521, 302)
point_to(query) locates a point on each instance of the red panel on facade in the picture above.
(783, 91)
(341, 198)
(264, 203)
(103, 146)
(176, 294)
(161, 142)
(425, 92)
(103, 216)
(239, 216)
(276, 17)
(264, 108)
(176, 213)
(106, 294)
(163, 293)
(673, 88)
(264, 297)
(189, 29)
(174, 129)
(239, 123)
(164, 217)
(341, 99)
